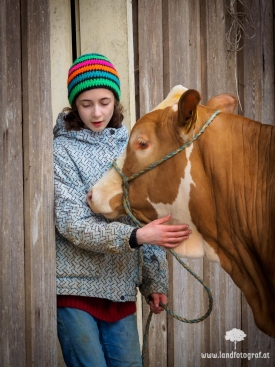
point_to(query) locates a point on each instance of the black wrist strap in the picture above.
(133, 239)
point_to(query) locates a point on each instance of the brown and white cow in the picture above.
(222, 185)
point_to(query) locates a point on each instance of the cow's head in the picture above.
(155, 135)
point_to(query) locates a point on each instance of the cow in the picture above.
(222, 185)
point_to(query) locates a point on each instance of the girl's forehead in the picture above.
(95, 94)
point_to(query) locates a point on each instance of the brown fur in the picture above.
(232, 203)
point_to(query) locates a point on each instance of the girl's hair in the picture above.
(74, 122)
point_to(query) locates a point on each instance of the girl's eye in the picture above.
(104, 104)
(84, 105)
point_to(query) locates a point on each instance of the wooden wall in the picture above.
(183, 42)
(176, 42)
(27, 251)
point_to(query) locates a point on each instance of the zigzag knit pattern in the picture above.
(92, 71)
(94, 258)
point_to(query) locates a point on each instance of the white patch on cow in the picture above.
(175, 106)
(173, 96)
(195, 246)
(106, 188)
(210, 253)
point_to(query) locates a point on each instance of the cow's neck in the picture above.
(237, 157)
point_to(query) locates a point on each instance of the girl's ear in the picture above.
(187, 107)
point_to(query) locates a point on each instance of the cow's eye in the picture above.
(143, 144)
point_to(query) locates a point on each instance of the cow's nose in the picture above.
(89, 197)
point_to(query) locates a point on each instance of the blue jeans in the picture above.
(89, 342)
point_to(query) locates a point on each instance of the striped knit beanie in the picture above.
(92, 71)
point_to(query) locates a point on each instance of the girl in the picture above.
(100, 262)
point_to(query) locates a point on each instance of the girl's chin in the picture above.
(96, 127)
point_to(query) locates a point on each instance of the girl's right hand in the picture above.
(160, 234)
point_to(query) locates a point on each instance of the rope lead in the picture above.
(127, 207)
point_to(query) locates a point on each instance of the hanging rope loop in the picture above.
(128, 209)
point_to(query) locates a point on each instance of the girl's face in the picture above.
(95, 108)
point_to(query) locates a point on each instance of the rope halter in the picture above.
(127, 207)
(125, 179)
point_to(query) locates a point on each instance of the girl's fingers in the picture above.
(170, 227)
(175, 228)
(176, 240)
(179, 234)
(162, 220)
(176, 237)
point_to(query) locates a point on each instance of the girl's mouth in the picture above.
(97, 123)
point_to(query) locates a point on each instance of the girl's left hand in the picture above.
(156, 298)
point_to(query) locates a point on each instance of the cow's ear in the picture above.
(187, 107)
(225, 102)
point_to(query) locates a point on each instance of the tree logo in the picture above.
(235, 335)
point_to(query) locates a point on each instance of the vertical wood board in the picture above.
(182, 66)
(181, 40)
(257, 63)
(219, 76)
(150, 94)
(219, 70)
(12, 285)
(109, 30)
(150, 54)
(38, 185)
(60, 53)
(61, 60)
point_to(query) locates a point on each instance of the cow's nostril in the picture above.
(89, 196)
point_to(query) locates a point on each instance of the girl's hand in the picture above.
(160, 234)
(156, 298)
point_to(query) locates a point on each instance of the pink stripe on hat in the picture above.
(90, 62)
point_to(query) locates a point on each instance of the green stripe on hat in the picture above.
(90, 57)
(92, 84)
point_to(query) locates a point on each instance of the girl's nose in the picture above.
(96, 111)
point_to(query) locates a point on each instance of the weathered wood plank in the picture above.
(61, 60)
(61, 53)
(182, 65)
(181, 40)
(150, 94)
(150, 54)
(257, 59)
(256, 342)
(219, 76)
(187, 301)
(136, 55)
(12, 284)
(258, 65)
(115, 40)
(219, 64)
(38, 186)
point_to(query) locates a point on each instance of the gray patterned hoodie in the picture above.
(93, 254)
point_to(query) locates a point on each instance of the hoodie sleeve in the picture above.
(154, 272)
(73, 217)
